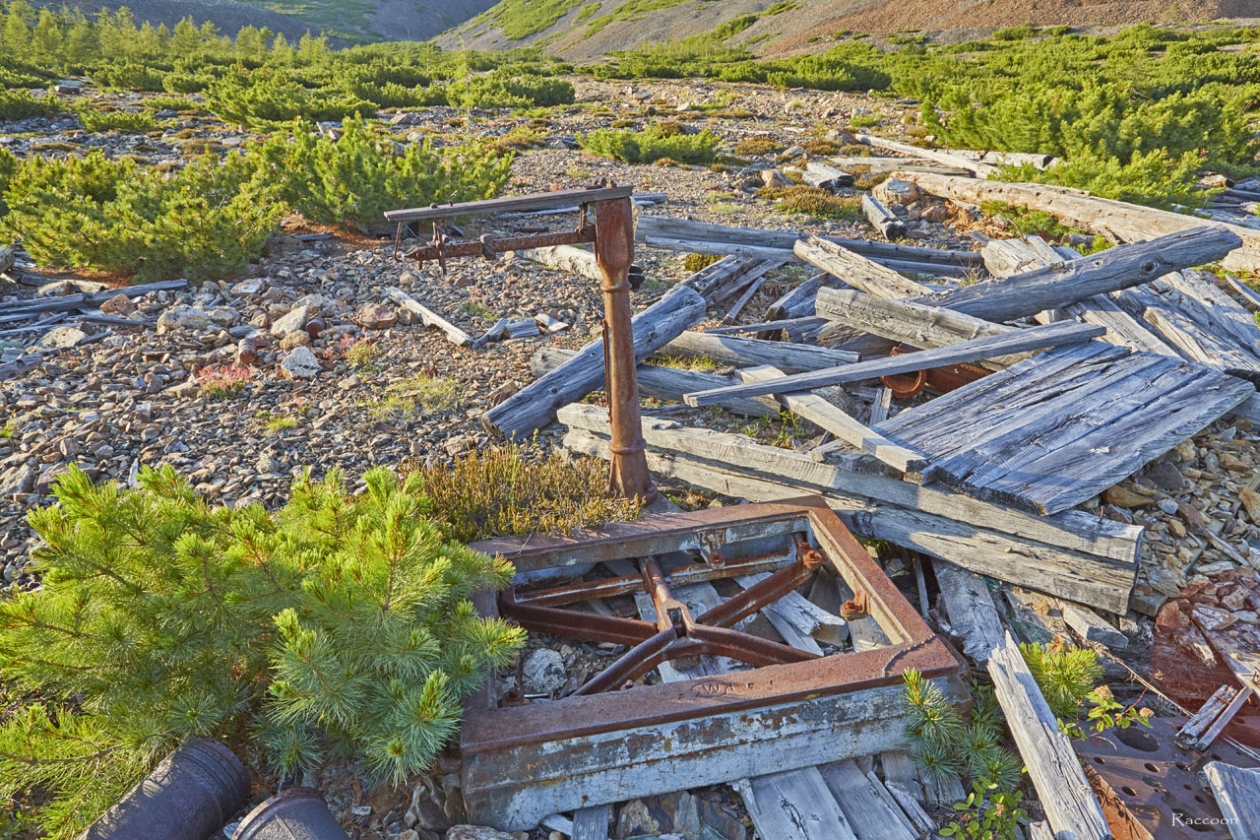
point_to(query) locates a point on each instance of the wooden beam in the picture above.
(1117, 220)
(832, 419)
(746, 352)
(881, 218)
(430, 318)
(969, 605)
(981, 170)
(535, 201)
(1026, 294)
(534, 406)
(1037, 338)
(1065, 794)
(855, 270)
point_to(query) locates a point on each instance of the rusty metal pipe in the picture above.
(633, 663)
(188, 796)
(574, 625)
(614, 252)
(296, 814)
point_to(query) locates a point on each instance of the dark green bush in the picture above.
(338, 623)
(94, 120)
(656, 142)
(502, 89)
(20, 105)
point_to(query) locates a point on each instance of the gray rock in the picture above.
(181, 317)
(1168, 506)
(543, 672)
(249, 288)
(477, 832)
(292, 322)
(300, 363)
(19, 479)
(62, 337)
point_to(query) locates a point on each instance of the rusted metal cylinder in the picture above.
(614, 252)
(189, 796)
(296, 814)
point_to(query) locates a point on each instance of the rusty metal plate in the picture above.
(524, 762)
(1151, 788)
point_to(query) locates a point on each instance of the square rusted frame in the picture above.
(522, 763)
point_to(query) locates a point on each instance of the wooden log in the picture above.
(981, 170)
(1004, 257)
(874, 165)
(881, 218)
(752, 352)
(1026, 294)
(732, 315)
(1037, 338)
(664, 383)
(592, 823)
(430, 318)
(1092, 628)
(572, 260)
(797, 302)
(93, 300)
(1066, 797)
(791, 325)
(666, 227)
(718, 281)
(534, 406)
(855, 270)
(827, 177)
(912, 324)
(1123, 330)
(1237, 792)
(1117, 220)
(832, 419)
(20, 365)
(971, 612)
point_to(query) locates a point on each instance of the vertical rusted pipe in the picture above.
(189, 796)
(614, 251)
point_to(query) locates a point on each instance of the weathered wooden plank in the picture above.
(536, 201)
(1068, 801)
(794, 806)
(723, 278)
(971, 611)
(430, 318)
(1004, 257)
(881, 218)
(664, 383)
(980, 169)
(832, 419)
(783, 240)
(1222, 312)
(1078, 468)
(732, 314)
(1091, 627)
(797, 302)
(20, 366)
(1069, 574)
(1051, 335)
(1074, 531)
(1123, 330)
(592, 823)
(534, 406)
(1117, 220)
(856, 270)
(867, 812)
(1237, 793)
(753, 352)
(1026, 294)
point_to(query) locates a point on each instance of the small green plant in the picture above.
(517, 491)
(702, 364)
(360, 353)
(416, 396)
(699, 262)
(757, 146)
(866, 121)
(655, 143)
(821, 146)
(129, 121)
(9, 429)
(276, 425)
(987, 814)
(224, 381)
(814, 201)
(1068, 677)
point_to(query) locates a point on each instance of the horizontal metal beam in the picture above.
(518, 203)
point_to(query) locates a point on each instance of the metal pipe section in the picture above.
(296, 814)
(614, 252)
(189, 796)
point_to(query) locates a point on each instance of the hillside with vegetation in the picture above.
(587, 29)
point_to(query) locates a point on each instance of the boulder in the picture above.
(300, 363)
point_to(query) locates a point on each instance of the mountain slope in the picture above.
(350, 20)
(586, 29)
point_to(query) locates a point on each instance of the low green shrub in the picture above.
(20, 105)
(339, 624)
(656, 142)
(132, 121)
(814, 201)
(128, 76)
(756, 146)
(8, 168)
(503, 89)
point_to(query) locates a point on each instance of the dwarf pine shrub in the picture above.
(656, 142)
(336, 624)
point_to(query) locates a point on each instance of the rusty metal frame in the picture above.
(524, 762)
(612, 232)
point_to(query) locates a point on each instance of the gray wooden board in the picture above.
(972, 614)
(869, 814)
(592, 823)
(1056, 430)
(795, 806)
(1238, 793)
